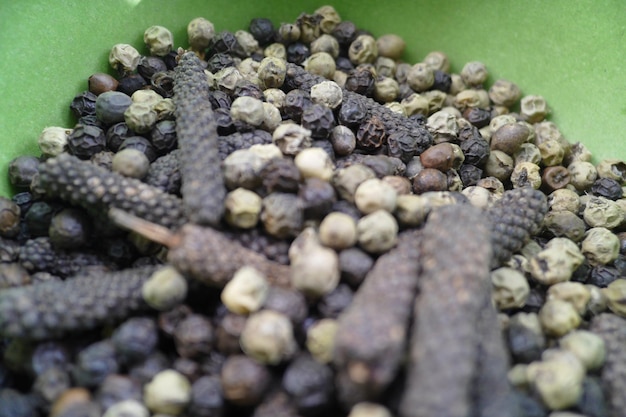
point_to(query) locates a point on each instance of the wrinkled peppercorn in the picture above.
(319, 120)
(361, 81)
(84, 104)
(317, 198)
(85, 141)
(607, 188)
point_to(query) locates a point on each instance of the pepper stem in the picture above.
(152, 231)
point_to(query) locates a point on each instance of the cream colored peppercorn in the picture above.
(291, 138)
(564, 200)
(518, 375)
(528, 152)
(242, 167)
(579, 152)
(499, 121)
(396, 107)
(385, 67)
(438, 60)
(346, 180)
(124, 58)
(330, 18)
(377, 231)
(411, 209)
(582, 174)
(248, 110)
(510, 288)
(159, 40)
(127, 408)
(436, 100)
(614, 169)
(588, 347)
(242, 208)
(367, 409)
(443, 126)
(314, 163)
(275, 96)
(149, 97)
(558, 317)
(558, 381)
(338, 231)
(552, 152)
(533, 108)
(227, 79)
(322, 64)
(374, 194)
(597, 302)
(276, 50)
(478, 196)
(574, 293)
(415, 104)
(131, 163)
(474, 74)
(390, 46)
(499, 165)
(271, 72)
(504, 93)
(600, 246)
(320, 340)
(140, 117)
(165, 289)
(53, 140)
(556, 262)
(271, 117)
(526, 174)
(363, 50)
(602, 212)
(421, 77)
(615, 294)
(248, 68)
(267, 337)
(246, 292)
(165, 109)
(314, 269)
(457, 85)
(200, 31)
(386, 89)
(168, 392)
(247, 41)
(467, 99)
(325, 43)
(327, 93)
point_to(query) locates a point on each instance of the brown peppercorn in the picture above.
(9, 217)
(371, 134)
(228, 332)
(430, 179)
(100, 83)
(554, 178)
(244, 381)
(443, 156)
(194, 336)
(509, 138)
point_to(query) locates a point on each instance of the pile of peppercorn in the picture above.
(267, 177)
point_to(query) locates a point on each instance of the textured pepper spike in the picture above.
(449, 339)
(372, 333)
(51, 309)
(515, 218)
(298, 77)
(203, 188)
(612, 329)
(242, 140)
(38, 254)
(96, 189)
(202, 253)
(164, 173)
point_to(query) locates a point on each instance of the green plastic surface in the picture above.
(571, 52)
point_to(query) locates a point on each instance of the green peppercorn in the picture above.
(533, 108)
(504, 93)
(574, 293)
(227, 79)
(526, 174)
(438, 60)
(436, 100)
(467, 99)
(124, 58)
(558, 381)
(377, 231)
(268, 337)
(168, 392)
(385, 89)
(602, 212)
(322, 64)
(421, 77)
(510, 288)
(320, 340)
(588, 347)
(246, 292)
(556, 262)
(363, 50)
(271, 117)
(582, 174)
(615, 294)
(165, 289)
(565, 223)
(415, 104)
(200, 32)
(600, 246)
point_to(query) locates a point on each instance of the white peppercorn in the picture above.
(558, 317)
(124, 58)
(242, 208)
(374, 194)
(274, 96)
(131, 163)
(127, 408)
(320, 339)
(557, 381)
(322, 64)
(377, 231)
(247, 41)
(366, 409)
(271, 72)
(587, 346)
(248, 68)
(421, 77)
(504, 93)
(499, 165)
(165, 289)
(385, 67)
(346, 180)
(533, 108)
(363, 50)
(140, 117)
(340, 78)
(327, 93)
(600, 246)
(436, 100)
(411, 209)
(248, 110)
(314, 268)
(556, 262)
(615, 294)
(271, 117)
(159, 40)
(149, 97)
(200, 32)
(443, 126)
(602, 212)
(478, 196)
(564, 200)
(330, 18)
(457, 85)
(267, 337)
(291, 138)
(168, 392)
(338, 231)
(474, 74)
(527, 152)
(574, 293)
(499, 121)
(276, 50)
(438, 60)
(386, 89)
(552, 152)
(246, 292)
(510, 288)
(53, 140)
(582, 174)
(314, 163)
(227, 79)
(614, 169)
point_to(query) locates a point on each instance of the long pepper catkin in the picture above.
(202, 188)
(372, 333)
(96, 189)
(515, 218)
(612, 329)
(204, 254)
(446, 342)
(51, 309)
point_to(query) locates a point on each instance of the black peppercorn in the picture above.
(48, 355)
(84, 104)
(281, 174)
(371, 134)
(163, 136)
(297, 52)
(70, 228)
(85, 141)
(354, 264)
(403, 144)
(343, 63)
(206, 397)
(333, 303)
(608, 188)
(287, 301)
(163, 84)
(470, 174)
(131, 83)
(134, 340)
(228, 332)
(24, 200)
(220, 100)
(310, 384)
(22, 170)
(226, 42)
(262, 29)
(116, 388)
(345, 33)
(602, 275)
(244, 381)
(477, 116)
(443, 81)
(15, 404)
(317, 198)
(361, 80)
(116, 134)
(352, 112)
(248, 89)
(319, 120)
(525, 344)
(593, 399)
(38, 218)
(49, 386)
(141, 144)
(295, 103)
(225, 127)
(476, 150)
(194, 336)
(94, 363)
(144, 371)
(150, 65)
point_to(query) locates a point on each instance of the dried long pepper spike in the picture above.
(612, 329)
(202, 188)
(446, 342)
(164, 173)
(202, 253)
(515, 218)
(298, 77)
(96, 189)
(372, 333)
(51, 309)
(38, 254)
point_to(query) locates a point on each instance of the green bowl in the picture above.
(570, 52)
